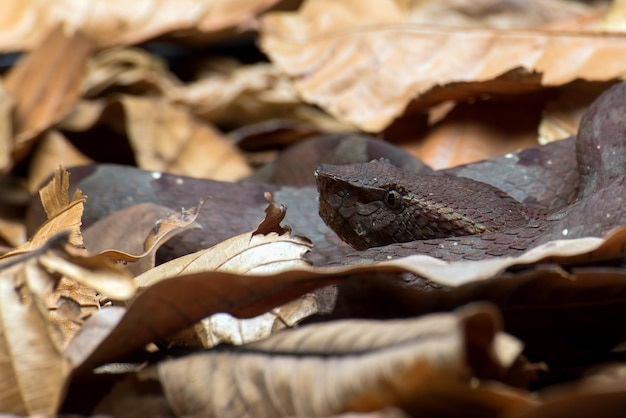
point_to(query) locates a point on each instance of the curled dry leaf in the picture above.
(403, 66)
(128, 69)
(41, 101)
(269, 249)
(63, 214)
(134, 234)
(326, 369)
(117, 22)
(33, 369)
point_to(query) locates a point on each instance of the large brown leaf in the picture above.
(340, 366)
(369, 71)
(119, 22)
(46, 84)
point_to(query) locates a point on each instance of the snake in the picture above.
(502, 206)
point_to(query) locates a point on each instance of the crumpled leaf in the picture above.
(33, 369)
(134, 234)
(42, 101)
(328, 368)
(117, 22)
(63, 214)
(268, 249)
(6, 132)
(403, 66)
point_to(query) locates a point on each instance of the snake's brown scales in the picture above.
(353, 201)
(582, 188)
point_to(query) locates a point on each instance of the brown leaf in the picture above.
(53, 150)
(63, 214)
(116, 22)
(33, 369)
(133, 235)
(6, 131)
(402, 66)
(166, 138)
(281, 376)
(46, 84)
(269, 249)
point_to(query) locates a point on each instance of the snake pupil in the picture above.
(393, 198)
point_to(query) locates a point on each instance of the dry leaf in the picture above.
(33, 368)
(132, 70)
(6, 130)
(269, 249)
(42, 101)
(53, 150)
(166, 138)
(402, 66)
(561, 252)
(117, 22)
(63, 214)
(134, 234)
(324, 369)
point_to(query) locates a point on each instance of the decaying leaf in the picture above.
(402, 66)
(564, 251)
(323, 369)
(165, 138)
(34, 369)
(133, 235)
(118, 22)
(63, 214)
(268, 249)
(42, 101)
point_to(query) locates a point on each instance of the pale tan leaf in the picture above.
(131, 69)
(118, 22)
(45, 84)
(53, 150)
(166, 138)
(369, 75)
(326, 369)
(85, 115)
(615, 18)
(269, 249)
(63, 214)
(96, 272)
(12, 231)
(33, 369)
(6, 128)
(272, 250)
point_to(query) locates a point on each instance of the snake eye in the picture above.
(393, 199)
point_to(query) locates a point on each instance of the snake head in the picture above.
(376, 203)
